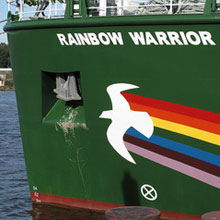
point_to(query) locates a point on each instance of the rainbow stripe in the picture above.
(178, 119)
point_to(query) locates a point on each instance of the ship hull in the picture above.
(68, 153)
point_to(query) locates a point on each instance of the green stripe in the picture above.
(212, 148)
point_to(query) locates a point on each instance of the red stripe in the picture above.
(178, 216)
(71, 202)
(95, 205)
(177, 118)
(172, 107)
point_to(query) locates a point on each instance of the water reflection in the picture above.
(48, 212)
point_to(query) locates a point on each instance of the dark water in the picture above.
(14, 192)
(15, 202)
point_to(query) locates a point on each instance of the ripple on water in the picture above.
(14, 192)
(15, 203)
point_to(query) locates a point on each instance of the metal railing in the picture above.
(150, 7)
(44, 9)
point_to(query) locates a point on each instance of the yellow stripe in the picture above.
(186, 130)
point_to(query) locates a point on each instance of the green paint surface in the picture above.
(65, 145)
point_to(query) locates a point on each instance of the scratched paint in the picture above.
(68, 123)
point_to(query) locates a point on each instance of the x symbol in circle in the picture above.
(149, 192)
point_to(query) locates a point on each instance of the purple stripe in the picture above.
(175, 165)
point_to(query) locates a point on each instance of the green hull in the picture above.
(67, 152)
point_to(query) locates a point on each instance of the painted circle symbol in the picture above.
(148, 192)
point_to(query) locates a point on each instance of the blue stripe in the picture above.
(178, 147)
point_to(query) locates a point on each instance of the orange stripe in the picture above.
(178, 118)
(172, 107)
